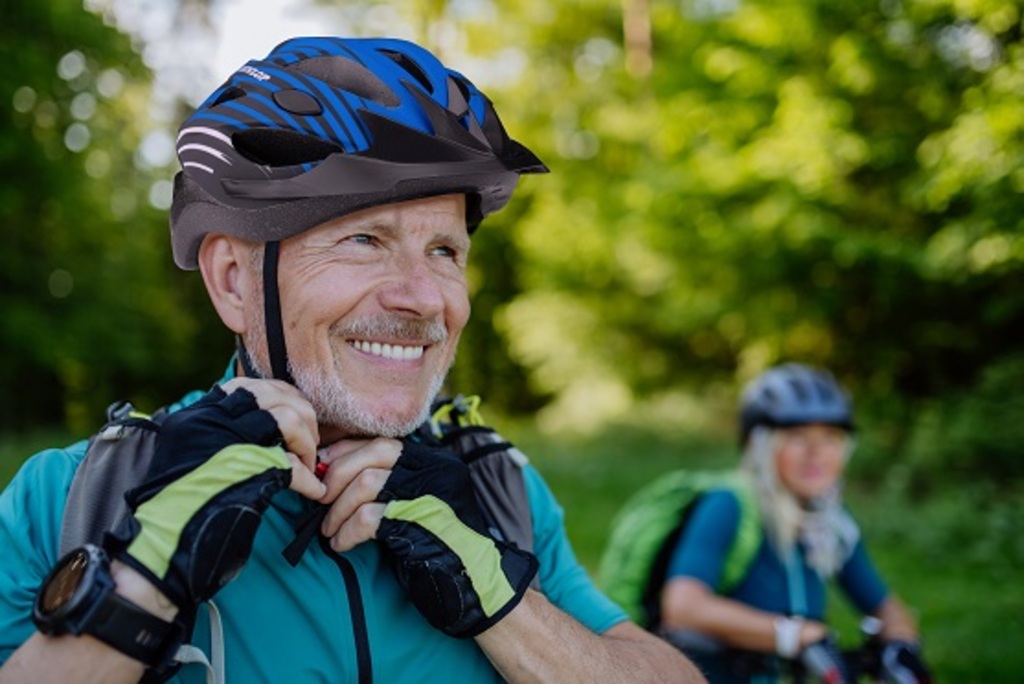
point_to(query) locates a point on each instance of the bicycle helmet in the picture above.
(794, 394)
(323, 127)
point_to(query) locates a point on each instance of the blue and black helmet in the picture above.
(323, 127)
(794, 394)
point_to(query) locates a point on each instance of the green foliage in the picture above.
(93, 309)
(835, 183)
(975, 435)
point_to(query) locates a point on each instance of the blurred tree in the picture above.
(91, 306)
(835, 183)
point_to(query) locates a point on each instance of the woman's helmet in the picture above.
(794, 394)
(323, 127)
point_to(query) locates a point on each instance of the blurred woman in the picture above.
(796, 430)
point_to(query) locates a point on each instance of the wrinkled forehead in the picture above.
(443, 214)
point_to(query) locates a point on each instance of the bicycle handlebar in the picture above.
(823, 662)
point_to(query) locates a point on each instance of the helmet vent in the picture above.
(348, 75)
(279, 147)
(232, 93)
(799, 390)
(463, 88)
(410, 66)
(820, 391)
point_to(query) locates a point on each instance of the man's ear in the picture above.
(225, 265)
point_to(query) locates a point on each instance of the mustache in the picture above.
(394, 328)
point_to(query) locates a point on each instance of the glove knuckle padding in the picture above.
(208, 563)
(222, 534)
(196, 432)
(459, 578)
(194, 520)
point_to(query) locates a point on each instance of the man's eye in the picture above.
(360, 239)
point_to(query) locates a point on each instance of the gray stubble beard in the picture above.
(334, 403)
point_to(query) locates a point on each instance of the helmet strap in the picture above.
(243, 358)
(272, 314)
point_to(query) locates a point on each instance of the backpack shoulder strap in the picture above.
(495, 466)
(748, 537)
(116, 459)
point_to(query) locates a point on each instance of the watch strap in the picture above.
(133, 631)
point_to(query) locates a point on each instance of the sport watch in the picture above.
(78, 597)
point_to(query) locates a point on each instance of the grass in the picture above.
(955, 558)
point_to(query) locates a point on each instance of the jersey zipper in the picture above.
(357, 611)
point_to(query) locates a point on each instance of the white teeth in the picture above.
(389, 351)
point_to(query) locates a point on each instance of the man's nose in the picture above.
(413, 288)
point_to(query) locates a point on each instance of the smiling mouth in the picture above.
(397, 352)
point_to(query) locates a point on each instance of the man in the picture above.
(327, 194)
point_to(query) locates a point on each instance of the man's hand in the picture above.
(356, 472)
(418, 502)
(296, 422)
(460, 578)
(217, 465)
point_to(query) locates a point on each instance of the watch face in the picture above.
(65, 581)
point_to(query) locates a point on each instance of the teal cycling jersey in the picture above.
(770, 584)
(333, 617)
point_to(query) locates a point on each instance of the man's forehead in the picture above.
(448, 211)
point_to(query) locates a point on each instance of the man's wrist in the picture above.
(133, 585)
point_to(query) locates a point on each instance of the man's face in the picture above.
(373, 305)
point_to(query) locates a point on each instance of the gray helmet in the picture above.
(794, 394)
(324, 127)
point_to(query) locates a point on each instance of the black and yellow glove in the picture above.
(217, 464)
(460, 578)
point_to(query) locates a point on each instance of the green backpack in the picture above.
(645, 532)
